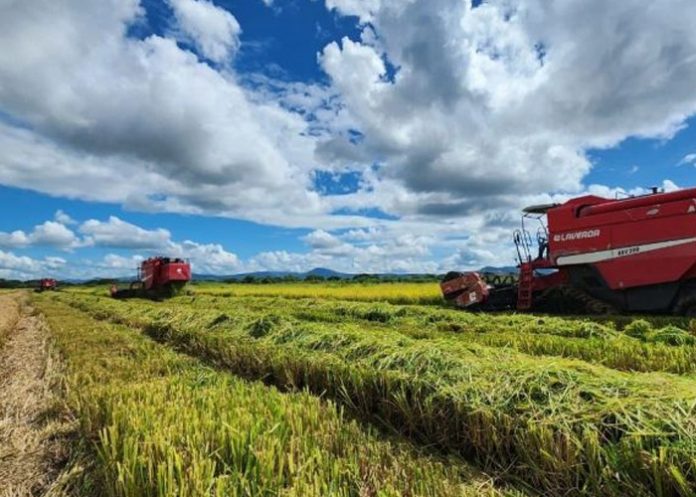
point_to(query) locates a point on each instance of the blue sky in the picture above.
(357, 135)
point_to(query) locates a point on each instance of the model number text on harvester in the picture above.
(576, 235)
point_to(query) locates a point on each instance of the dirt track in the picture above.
(9, 313)
(33, 428)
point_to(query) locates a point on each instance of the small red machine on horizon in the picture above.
(636, 254)
(158, 277)
(47, 284)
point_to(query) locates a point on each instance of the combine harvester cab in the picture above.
(598, 255)
(158, 277)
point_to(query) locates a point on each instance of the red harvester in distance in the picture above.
(636, 254)
(158, 277)
(47, 284)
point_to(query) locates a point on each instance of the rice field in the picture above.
(418, 399)
(396, 293)
(162, 423)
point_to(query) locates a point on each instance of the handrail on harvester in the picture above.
(635, 202)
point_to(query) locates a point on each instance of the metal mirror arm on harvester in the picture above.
(158, 277)
(591, 256)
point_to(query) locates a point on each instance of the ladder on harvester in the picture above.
(524, 287)
(523, 244)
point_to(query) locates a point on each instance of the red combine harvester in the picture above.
(598, 255)
(47, 284)
(158, 277)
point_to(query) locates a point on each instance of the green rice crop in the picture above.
(599, 343)
(427, 293)
(397, 293)
(565, 426)
(162, 424)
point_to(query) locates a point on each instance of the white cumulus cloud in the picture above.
(63, 218)
(49, 233)
(321, 239)
(206, 258)
(688, 159)
(213, 30)
(116, 233)
(98, 115)
(469, 107)
(24, 267)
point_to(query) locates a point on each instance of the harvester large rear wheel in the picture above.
(687, 307)
(686, 301)
(570, 300)
(167, 291)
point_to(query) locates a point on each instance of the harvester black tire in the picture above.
(126, 293)
(565, 299)
(687, 307)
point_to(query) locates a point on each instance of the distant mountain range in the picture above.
(317, 272)
(499, 270)
(258, 275)
(327, 273)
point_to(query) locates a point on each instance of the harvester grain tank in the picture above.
(158, 277)
(635, 254)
